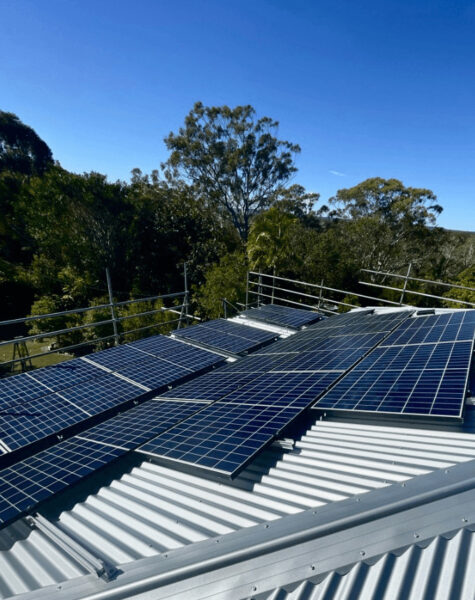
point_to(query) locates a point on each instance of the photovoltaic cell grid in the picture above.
(226, 335)
(282, 315)
(25, 484)
(289, 381)
(222, 437)
(410, 374)
(141, 423)
(47, 401)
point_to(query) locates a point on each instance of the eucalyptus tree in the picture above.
(232, 158)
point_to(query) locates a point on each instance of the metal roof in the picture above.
(152, 509)
(353, 508)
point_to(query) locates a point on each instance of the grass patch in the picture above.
(34, 347)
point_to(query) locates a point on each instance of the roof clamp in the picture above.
(86, 559)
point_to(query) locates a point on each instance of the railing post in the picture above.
(111, 302)
(273, 286)
(259, 290)
(186, 298)
(320, 295)
(247, 290)
(225, 309)
(401, 300)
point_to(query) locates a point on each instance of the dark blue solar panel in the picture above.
(25, 484)
(102, 393)
(222, 437)
(322, 360)
(258, 363)
(216, 339)
(156, 345)
(244, 331)
(117, 357)
(20, 388)
(282, 389)
(66, 374)
(448, 327)
(34, 420)
(282, 315)
(210, 387)
(153, 373)
(141, 423)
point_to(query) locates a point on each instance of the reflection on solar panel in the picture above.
(227, 336)
(139, 424)
(222, 437)
(25, 484)
(36, 419)
(322, 360)
(19, 388)
(67, 374)
(409, 373)
(282, 315)
(117, 357)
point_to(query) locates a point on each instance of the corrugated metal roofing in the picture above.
(153, 509)
(441, 570)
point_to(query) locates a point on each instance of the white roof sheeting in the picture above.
(154, 509)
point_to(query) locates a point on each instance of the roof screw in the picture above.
(165, 556)
(357, 499)
(464, 520)
(416, 535)
(312, 567)
(314, 512)
(403, 485)
(266, 526)
(363, 553)
(217, 541)
(254, 588)
(446, 471)
(59, 587)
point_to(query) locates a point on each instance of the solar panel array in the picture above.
(227, 336)
(221, 420)
(262, 394)
(48, 401)
(420, 369)
(283, 315)
(31, 410)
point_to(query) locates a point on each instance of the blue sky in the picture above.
(367, 88)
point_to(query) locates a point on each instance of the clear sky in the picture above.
(366, 87)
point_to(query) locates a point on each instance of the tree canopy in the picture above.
(234, 159)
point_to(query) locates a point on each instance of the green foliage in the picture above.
(141, 321)
(467, 279)
(348, 299)
(233, 159)
(269, 246)
(227, 279)
(53, 304)
(21, 150)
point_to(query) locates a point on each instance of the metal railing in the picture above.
(115, 320)
(269, 287)
(405, 290)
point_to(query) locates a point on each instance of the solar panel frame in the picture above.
(282, 315)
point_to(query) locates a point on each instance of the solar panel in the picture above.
(141, 423)
(153, 373)
(322, 360)
(210, 387)
(66, 374)
(408, 374)
(25, 484)
(116, 357)
(179, 353)
(101, 394)
(456, 326)
(34, 420)
(282, 389)
(282, 315)
(20, 388)
(208, 335)
(240, 330)
(222, 437)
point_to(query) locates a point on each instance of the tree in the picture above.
(21, 149)
(269, 245)
(232, 158)
(388, 200)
